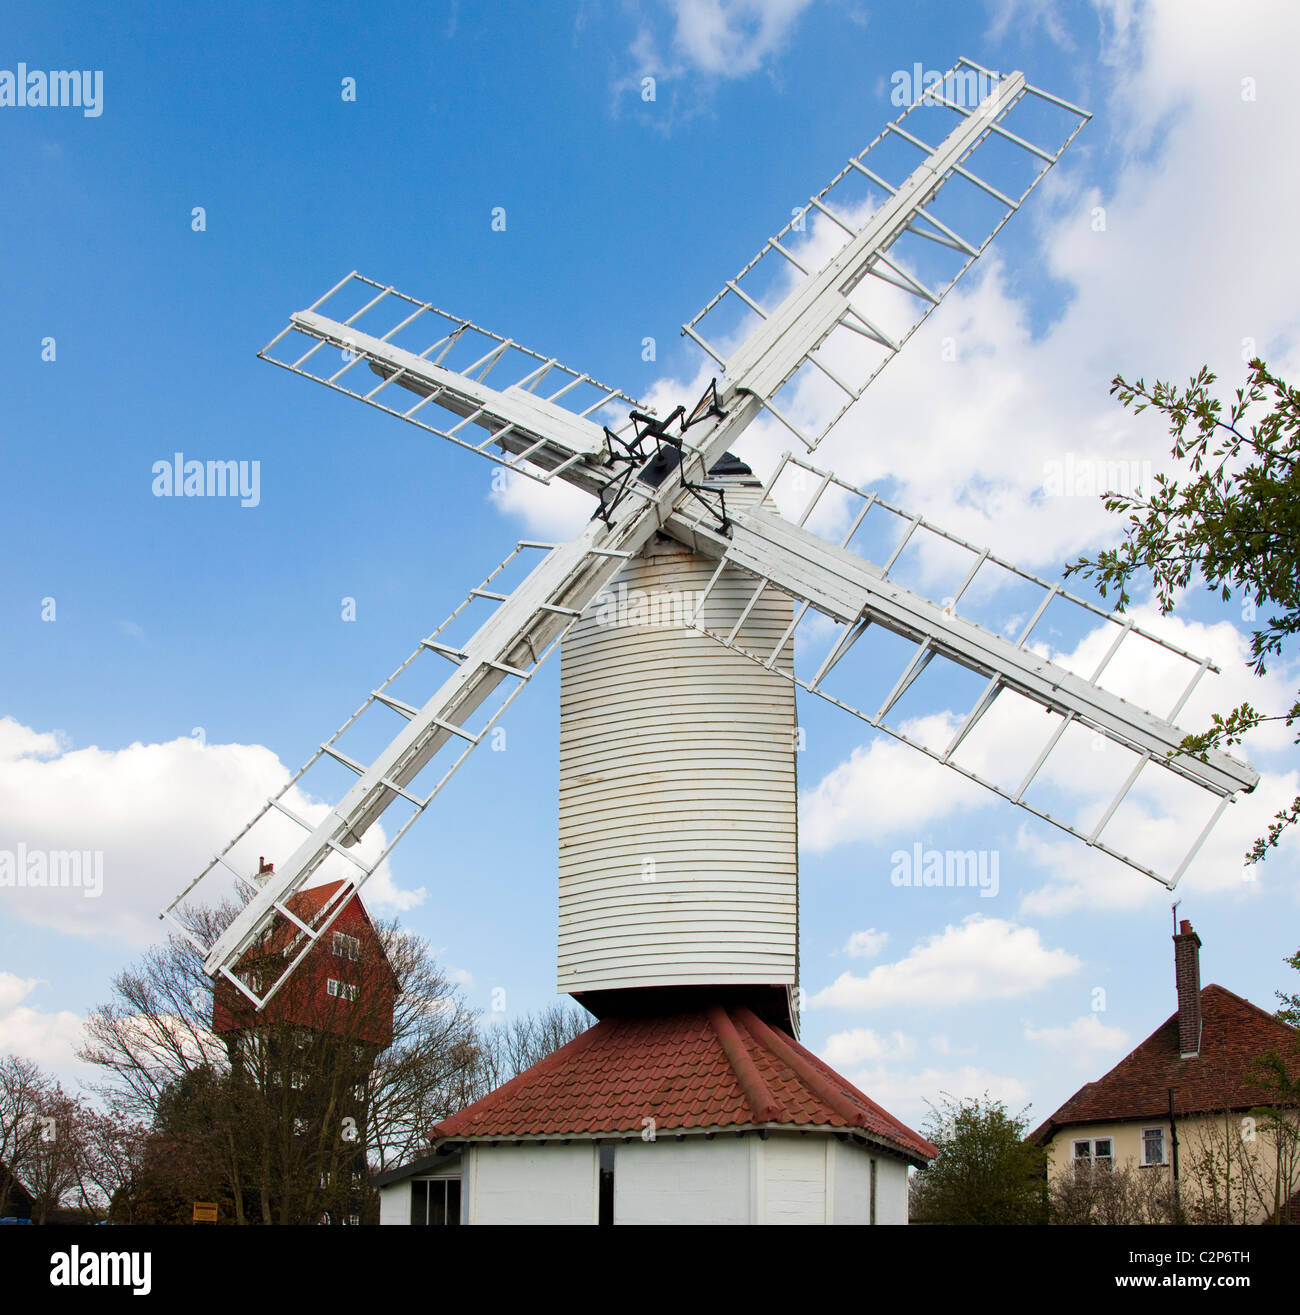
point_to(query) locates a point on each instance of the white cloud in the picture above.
(48, 1038)
(556, 511)
(1083, 1039)
(866, 944)
(722, 38)
(156, 813)
(1026, 15)
(909, 1095)
(942, 1045)
(980, 959)
(1080, 878)
(840, 809)
(861, 1045)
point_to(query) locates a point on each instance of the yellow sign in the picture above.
(205, 1212)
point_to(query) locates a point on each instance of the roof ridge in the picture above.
(758, 1095)
(1250, 1004)
(816, 1077)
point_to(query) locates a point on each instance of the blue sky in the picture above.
(623, 218)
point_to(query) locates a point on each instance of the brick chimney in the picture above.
(1187, 976)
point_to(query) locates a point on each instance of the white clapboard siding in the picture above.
(677, 787)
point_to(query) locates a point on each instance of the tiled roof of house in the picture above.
(1234, 1031)
(716, 1068)
(307, 904)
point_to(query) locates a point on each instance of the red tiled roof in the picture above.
(1234, 1032)
(720, 1068)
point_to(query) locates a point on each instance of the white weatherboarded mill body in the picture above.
(678, 803)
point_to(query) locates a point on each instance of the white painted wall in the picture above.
(851, 1176)
(793, 1172)
(683, 1182)
(786, 1179)
(678, 753)
(395, 1203)
(891, 1191)
(531, 1184)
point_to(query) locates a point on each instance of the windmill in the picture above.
(773, 603)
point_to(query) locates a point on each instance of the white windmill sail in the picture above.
(834, 580)
(901, 233)
(538, 424)
(653, 475)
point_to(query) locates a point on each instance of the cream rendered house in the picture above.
(1179, 1107)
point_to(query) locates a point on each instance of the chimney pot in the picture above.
(1187, 978)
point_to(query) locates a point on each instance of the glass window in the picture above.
(435, 1201)
(1153, 1146)
(419, 1202)
(1093, 1155)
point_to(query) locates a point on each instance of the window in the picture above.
(1153, 1146)
(435, 1201)
(1093, 1155)
(346, 947)
(343, 990)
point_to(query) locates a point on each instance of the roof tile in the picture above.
(715, 1068)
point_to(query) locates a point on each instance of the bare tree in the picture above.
(23, 1090)
(506, 1049)
(429, 1072)
(1240, 1165)
(158, 1026)
(110, 1164)
(53, 1159)
(1127, 1195)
